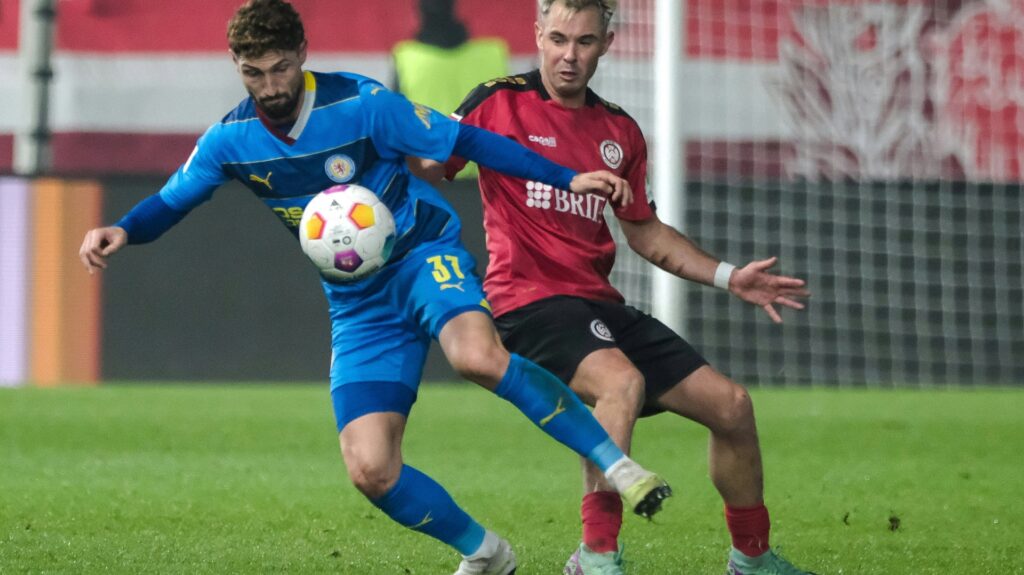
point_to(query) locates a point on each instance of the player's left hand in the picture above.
(604, 183)
(754, 284)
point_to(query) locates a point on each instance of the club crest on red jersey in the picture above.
(611, 153)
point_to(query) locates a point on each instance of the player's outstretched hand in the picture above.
(604, 183)
(100, 244)
(753, 283)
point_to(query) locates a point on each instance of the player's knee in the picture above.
(629, 387)
(373, 481)
(480, 362)
(625, 387)
(372, 476)
(736, 413)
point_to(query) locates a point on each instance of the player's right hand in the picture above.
(99, 244)
(604, 183)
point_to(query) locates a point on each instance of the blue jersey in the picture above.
(350, 130)
(353, 130)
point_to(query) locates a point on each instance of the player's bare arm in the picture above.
(99, 244)
(430, 171)
(665, 247)
(670, 250)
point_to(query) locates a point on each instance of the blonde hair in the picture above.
(605, 7)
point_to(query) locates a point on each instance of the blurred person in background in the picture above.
(442, 63)
(300, 132)
(548, 279)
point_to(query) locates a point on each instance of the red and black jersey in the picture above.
(544, 241)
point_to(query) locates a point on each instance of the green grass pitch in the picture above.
(248, 479)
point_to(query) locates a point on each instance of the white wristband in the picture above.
(722, 275)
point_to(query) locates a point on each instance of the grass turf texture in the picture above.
(248, 479)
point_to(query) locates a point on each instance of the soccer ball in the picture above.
(347, 232)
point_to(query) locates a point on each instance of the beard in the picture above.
(278, 107)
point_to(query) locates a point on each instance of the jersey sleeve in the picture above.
(473, 101)
(635, 173)
(455, 164)
(472, 113)
(195, 181)
(399, 128)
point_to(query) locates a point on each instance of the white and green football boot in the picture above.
(586, 562)
(770, 563)
(641, 491)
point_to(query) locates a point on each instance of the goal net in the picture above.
(877, 149)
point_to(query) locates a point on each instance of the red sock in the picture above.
(602, 518)
(749, 528)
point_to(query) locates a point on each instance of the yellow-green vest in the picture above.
(442, 77)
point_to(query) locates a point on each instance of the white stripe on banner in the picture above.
(158, 93)
(720, 99)
(13, 279)
(10, 93)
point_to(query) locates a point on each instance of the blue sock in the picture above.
(421, 504)
(553, 407)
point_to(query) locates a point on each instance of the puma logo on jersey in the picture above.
(454, 285)
(265, 181)
(558, 409)
(423, 113)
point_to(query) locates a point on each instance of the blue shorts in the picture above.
(359, 398)
(381, 327)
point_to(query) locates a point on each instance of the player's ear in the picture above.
(234, 57)
(538, 32)
(302, 52)
(609, 37)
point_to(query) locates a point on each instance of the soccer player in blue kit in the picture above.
(300, 132)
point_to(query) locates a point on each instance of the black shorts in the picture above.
(559, 332)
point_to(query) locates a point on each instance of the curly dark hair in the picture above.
(262, 26)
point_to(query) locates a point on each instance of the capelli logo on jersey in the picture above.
(548, 141)
(548, 197)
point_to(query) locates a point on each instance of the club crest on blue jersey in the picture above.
(340, 168)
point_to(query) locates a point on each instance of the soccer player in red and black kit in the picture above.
(551, 253)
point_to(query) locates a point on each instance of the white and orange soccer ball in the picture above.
(347, 232)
